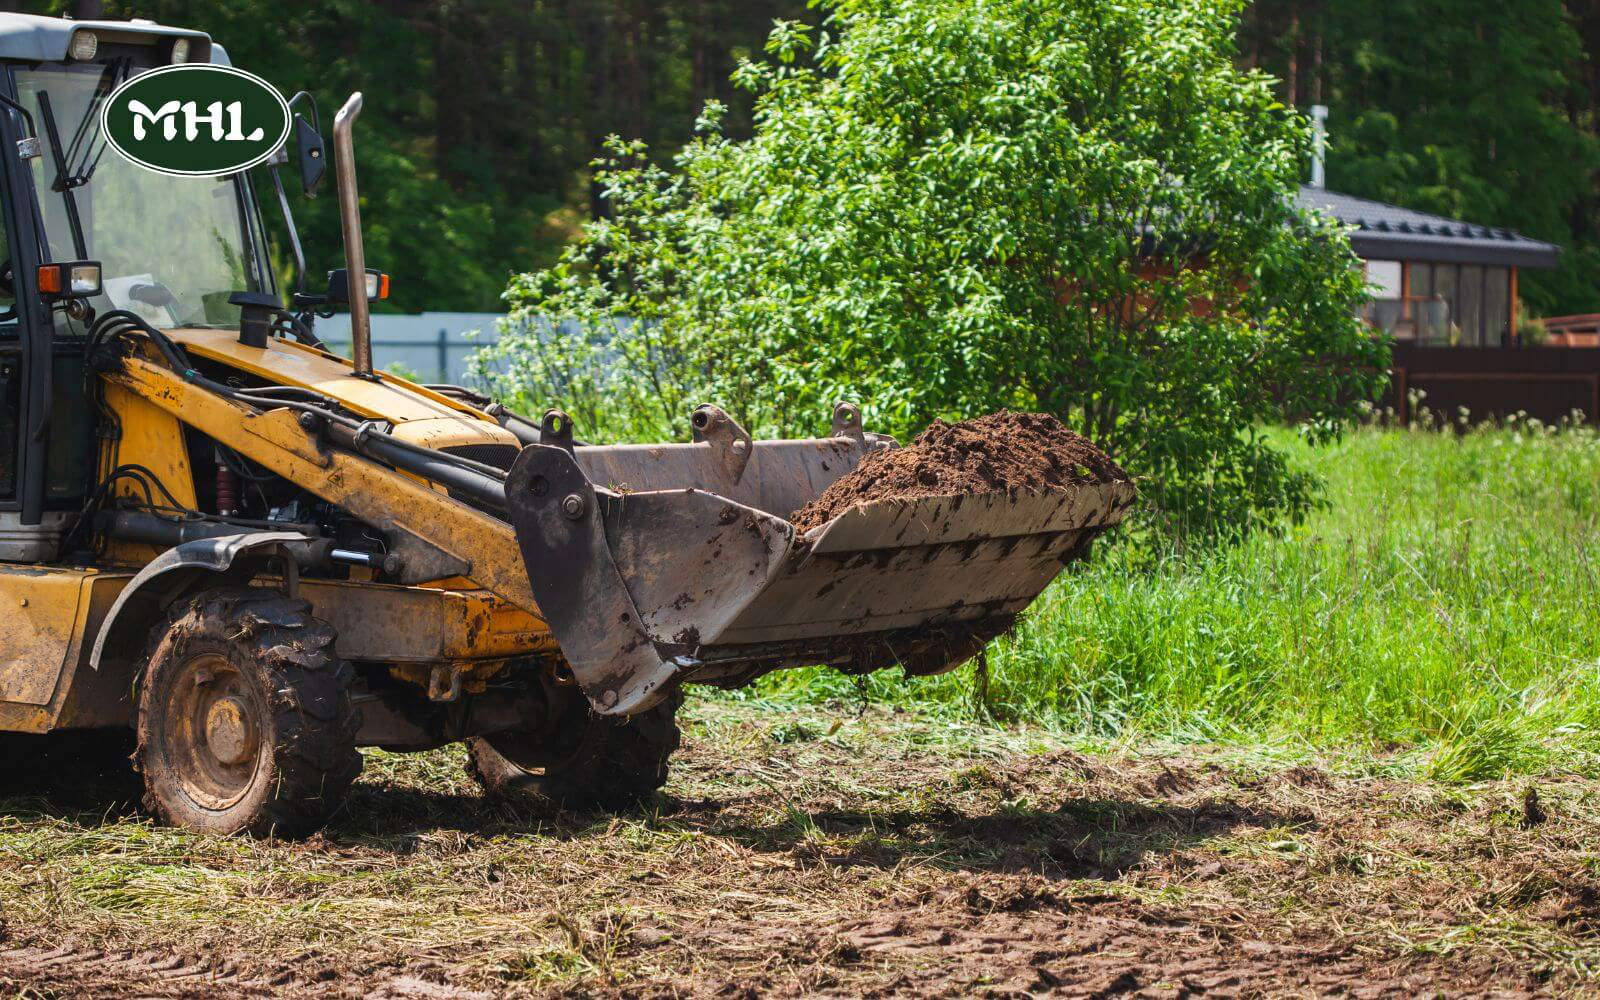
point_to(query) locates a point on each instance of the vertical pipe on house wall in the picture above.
(1319, 146)
(1405, 300)
(1512, 299)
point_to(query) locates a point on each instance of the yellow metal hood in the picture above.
(419, 415)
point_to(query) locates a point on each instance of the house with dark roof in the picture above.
(1435, 281)
(1446, 291)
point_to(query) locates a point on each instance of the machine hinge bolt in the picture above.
(573, 506)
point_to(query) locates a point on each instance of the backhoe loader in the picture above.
(258, 556)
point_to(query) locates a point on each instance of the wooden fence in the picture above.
(1544, 382)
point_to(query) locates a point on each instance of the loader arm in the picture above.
(436, 536)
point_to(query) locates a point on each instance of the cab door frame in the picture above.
(25, 231)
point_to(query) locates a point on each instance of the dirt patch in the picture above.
(994, 454)
(174, 975)
(812, 853)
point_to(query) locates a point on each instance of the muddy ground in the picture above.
(831, 853)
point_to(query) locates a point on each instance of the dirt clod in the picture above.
(993, 454)
(1532, 813)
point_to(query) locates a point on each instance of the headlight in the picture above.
(84, 45)
(84, 280)
(180, 50)
(73, 279)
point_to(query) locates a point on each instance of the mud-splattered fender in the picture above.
(171, 575)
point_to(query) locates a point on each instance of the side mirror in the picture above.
(68, 280)
(313, 161)
(339, 285)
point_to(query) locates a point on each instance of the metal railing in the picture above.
(1426, 320)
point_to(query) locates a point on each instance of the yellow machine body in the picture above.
(444, 635)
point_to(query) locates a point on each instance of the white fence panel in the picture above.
(430, 346)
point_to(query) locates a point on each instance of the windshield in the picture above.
(171, 249)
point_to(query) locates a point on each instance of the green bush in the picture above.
(952, 206)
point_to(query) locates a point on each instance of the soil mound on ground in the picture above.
(994, 454)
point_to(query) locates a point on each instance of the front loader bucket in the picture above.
(660, 563)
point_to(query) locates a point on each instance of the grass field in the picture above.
(1444, 600)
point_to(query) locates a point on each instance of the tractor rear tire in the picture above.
(598, 761)
(245, 719)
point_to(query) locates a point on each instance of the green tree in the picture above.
(1474, 109)
(950, 206)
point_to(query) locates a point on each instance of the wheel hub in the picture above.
(230, 732)
(213, 731)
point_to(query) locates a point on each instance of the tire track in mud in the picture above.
(122, 973)
(1118, 948)
(67, 971)
(1035, 945)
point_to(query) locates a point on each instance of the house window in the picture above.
(1444, 293)
(1383, 277)
(1497, 305)
(1459, 305)
(1388, 310)
(1469, 306)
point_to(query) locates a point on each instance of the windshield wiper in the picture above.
(83, 137)
(53, 135)
(68, 178)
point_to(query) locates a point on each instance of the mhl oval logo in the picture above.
(195, 120)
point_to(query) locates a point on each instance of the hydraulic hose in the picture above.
(488, 490)
(311, 553)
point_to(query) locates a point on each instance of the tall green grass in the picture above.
(1446, 598)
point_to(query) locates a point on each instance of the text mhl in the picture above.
(226, 122)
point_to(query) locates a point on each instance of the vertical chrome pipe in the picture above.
(355, 254)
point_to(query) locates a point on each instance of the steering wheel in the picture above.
(8, 287)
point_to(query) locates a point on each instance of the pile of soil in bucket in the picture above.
(993, 454)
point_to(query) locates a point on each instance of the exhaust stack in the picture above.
(355, 254)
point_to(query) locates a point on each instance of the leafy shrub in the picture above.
(952, 206)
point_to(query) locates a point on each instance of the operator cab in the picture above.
(173, 250)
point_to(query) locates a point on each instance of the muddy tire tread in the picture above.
(314, 722)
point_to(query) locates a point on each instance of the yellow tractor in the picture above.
(258, 556)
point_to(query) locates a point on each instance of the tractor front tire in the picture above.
(245, 718)
(594, 760)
